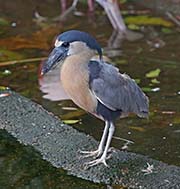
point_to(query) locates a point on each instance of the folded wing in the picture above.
(117, 91)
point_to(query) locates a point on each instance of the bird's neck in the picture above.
(79, 59)
(74, 78)
(85, 54)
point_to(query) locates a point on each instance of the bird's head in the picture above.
(67, 44)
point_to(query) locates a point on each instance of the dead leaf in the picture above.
(147, 20)
(153, 73)
(141, 129)
(3, 88)
(71, 121)
(39, 40)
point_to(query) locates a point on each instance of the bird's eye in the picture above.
(65, 44)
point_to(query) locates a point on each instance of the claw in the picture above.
(94, 154)
(96, 162)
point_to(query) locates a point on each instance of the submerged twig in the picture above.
(22, 61)
(123, 139)
(68, 11)
(173, 18)
(39, 18)
(126, 144)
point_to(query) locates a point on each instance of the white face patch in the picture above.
(75, 47)
(58, 43)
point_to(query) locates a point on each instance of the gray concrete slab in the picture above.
(58, 143)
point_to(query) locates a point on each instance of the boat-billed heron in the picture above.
(95, 85)
(110, 6)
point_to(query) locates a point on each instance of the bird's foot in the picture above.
(102, 159)
(94, 154)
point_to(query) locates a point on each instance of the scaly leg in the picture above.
(91, 5)
(114, 14)
(102, 159)
(66, 12)
(99, 151)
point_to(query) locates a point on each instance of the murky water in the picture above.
(158, 137)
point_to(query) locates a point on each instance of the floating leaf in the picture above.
(146, 89)
(137, 81)
(72, 121)
(155, 81)
(3, 88)
(166, 30)
(153, 73)
(141, 129)
(133, 27)
(147, 20)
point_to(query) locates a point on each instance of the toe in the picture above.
(86, 154)
(104, 162)
(95, 162)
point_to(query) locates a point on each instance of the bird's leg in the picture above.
(71, 8)
(66, 12)
(102, 159)
(114, 14)
(99, 151)
(74, 4)
(91, 5)
(63, 5)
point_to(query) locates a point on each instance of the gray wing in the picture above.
(117, 91)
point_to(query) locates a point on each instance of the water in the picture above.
(158, 137)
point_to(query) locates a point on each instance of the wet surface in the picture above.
(22, 167)
(157, 137)
(59, 144)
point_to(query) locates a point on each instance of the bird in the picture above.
(110, 6)
(95, 85)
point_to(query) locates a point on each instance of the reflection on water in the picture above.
(22, 167)
(50, 85)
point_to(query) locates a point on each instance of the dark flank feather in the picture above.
(116, 91)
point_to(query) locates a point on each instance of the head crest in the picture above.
(75, 35)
